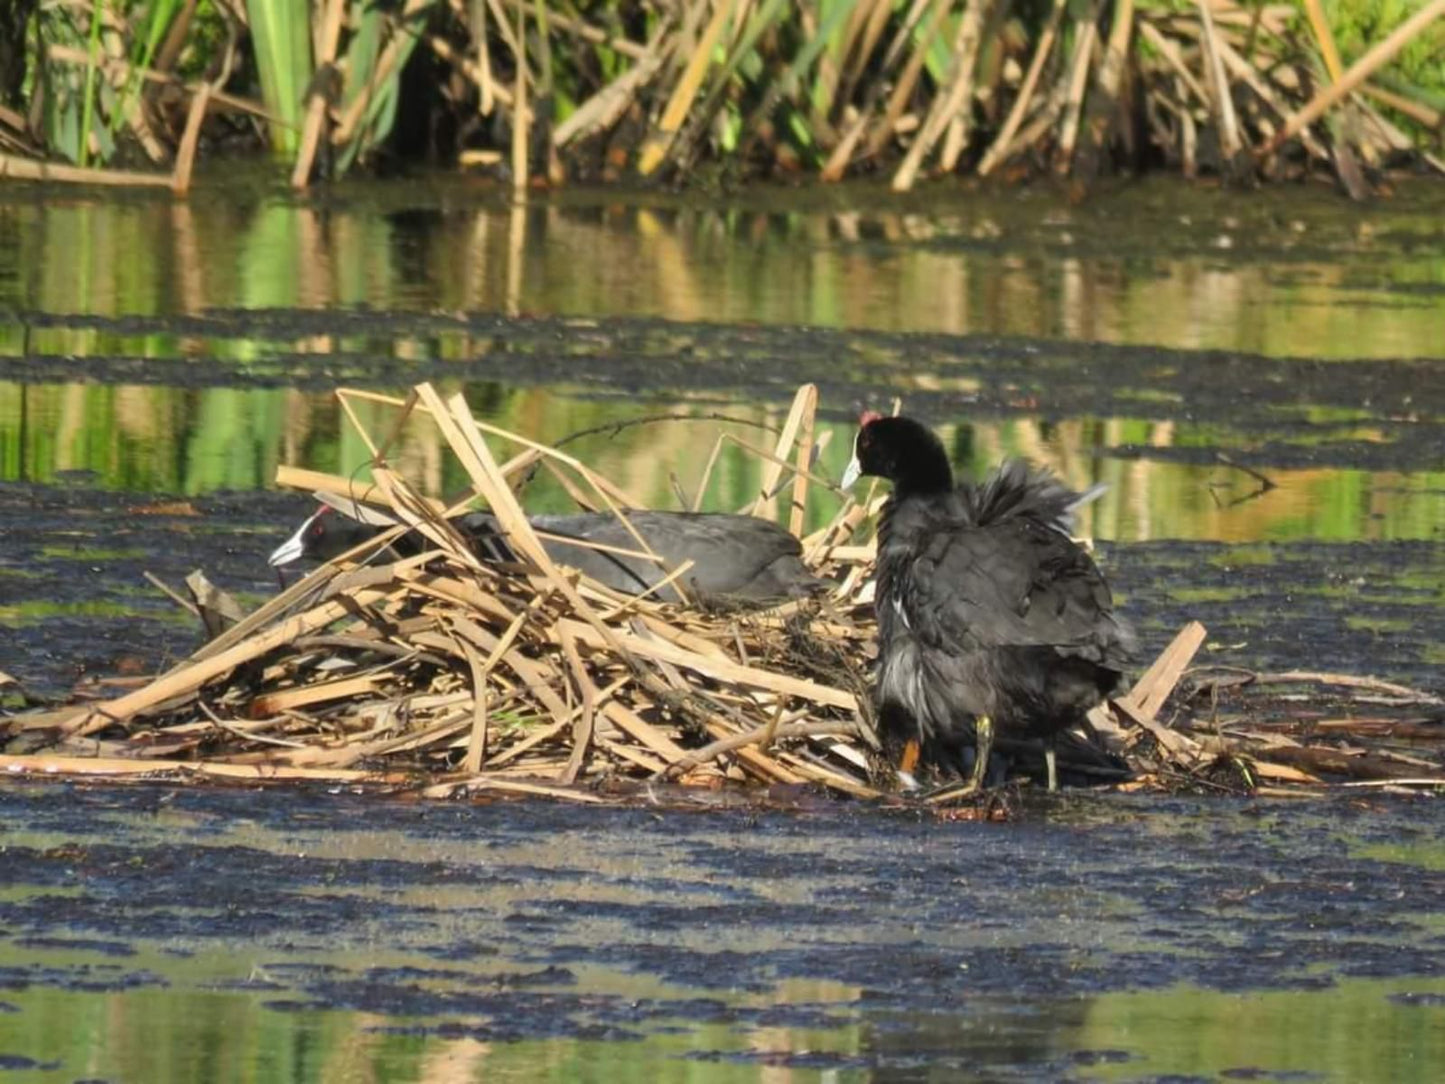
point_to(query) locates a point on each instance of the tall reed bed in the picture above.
(544, 91)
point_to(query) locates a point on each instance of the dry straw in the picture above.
(448, 673)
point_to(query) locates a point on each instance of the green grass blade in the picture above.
(281, 39)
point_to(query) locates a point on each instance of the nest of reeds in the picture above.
(447, 672)
(444, 666)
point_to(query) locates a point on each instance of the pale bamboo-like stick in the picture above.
(779, 459)
(1243, 71)
(655, 148)
(999, 148)
(390, 56)
(720, 669)
(117, 767)
(23, 169)
(1168, 48)
(477, 740)
(950, 104)
(796, 518)
(1229, 140)
(603, 109)
(1378, 56)
(903, 89)
(637, 727)
(187, 679)
(582, 729)
(521, 120)
(1088, 35)
(118, 66)
(707, 469)
(190, 138)
(327, 39)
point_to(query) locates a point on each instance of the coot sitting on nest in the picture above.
(989, 614)
(733, 556)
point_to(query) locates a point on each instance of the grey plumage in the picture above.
(733, 556)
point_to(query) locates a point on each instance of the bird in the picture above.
(734, 557)
(990, 616)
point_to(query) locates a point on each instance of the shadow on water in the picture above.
(305, 937)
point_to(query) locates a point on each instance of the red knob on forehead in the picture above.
(868, 417)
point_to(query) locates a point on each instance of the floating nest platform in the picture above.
(444, 674)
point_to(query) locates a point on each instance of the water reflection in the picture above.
(1287, 273)
(193, 441)
(192, 1024)
(156, 299)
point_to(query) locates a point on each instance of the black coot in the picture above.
(733, 556)
(989, 614)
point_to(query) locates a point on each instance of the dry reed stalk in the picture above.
(903, 89)
(23, 169)
(998, 150)
(805, 401)
(956, 102)
(837, 163)
(489, 91)
(476, 16)
(116, 66)
(1361, 70)
(1245, 73)
(1229, 139)
(119, 768)
(345, 129)
(875, 21)
(657, 145)
(602, 110)
(1169, 49)
(186, 152)
(328, 36)
(1103, 105)
(1087, 33)
(521, 116)
(1416, 111)
(583, 728)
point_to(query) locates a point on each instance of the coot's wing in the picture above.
(730, 554)
(1015, 583)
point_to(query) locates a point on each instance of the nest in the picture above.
(482, 674)
(444, 672)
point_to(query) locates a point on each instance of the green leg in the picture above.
(1049, 760)
(983, 744)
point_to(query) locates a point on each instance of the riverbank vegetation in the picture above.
(130, 91)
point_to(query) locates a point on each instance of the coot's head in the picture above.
(326, 534)
(904, 451)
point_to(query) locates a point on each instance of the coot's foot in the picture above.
(983, 737)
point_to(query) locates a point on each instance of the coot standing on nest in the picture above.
(733, 556)
(989, 615)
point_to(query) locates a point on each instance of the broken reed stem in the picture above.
(999, 149)
(1087, 34)
(1229, 141)
(1358, 72)
(952, 104)
(763, 735)
(655, 149)
(328, 39)
(521, 117)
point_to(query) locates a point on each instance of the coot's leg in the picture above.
(1049, 760)
(983, 745)
(907, 762)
